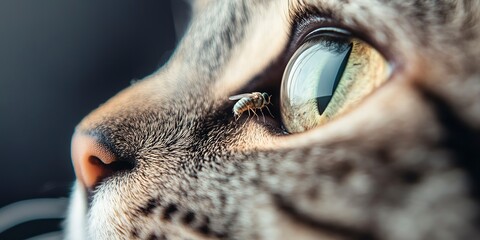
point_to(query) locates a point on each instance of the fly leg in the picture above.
(263, 115)
(255, 113)
(269, 112)
(248, 110)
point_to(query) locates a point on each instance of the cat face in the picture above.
(392, 156)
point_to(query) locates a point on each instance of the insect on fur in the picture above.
(250, 102)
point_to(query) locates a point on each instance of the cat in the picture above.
(390, 151)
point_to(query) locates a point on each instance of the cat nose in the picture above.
(92, 160)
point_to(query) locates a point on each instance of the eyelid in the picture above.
(310, 23)
(327, 30)
(303, 25)
(310, 20)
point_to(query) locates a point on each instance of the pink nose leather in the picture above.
(91, 160)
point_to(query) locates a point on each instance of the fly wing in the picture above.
(239, 96)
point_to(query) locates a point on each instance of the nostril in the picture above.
(93, 161)
(120, 165)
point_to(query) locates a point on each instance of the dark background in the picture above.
(60, 59)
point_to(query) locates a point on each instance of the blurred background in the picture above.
(60, 59)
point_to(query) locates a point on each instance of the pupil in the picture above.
(332, 71)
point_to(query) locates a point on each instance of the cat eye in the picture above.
(329, 74)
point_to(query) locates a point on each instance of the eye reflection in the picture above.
(319, 68)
